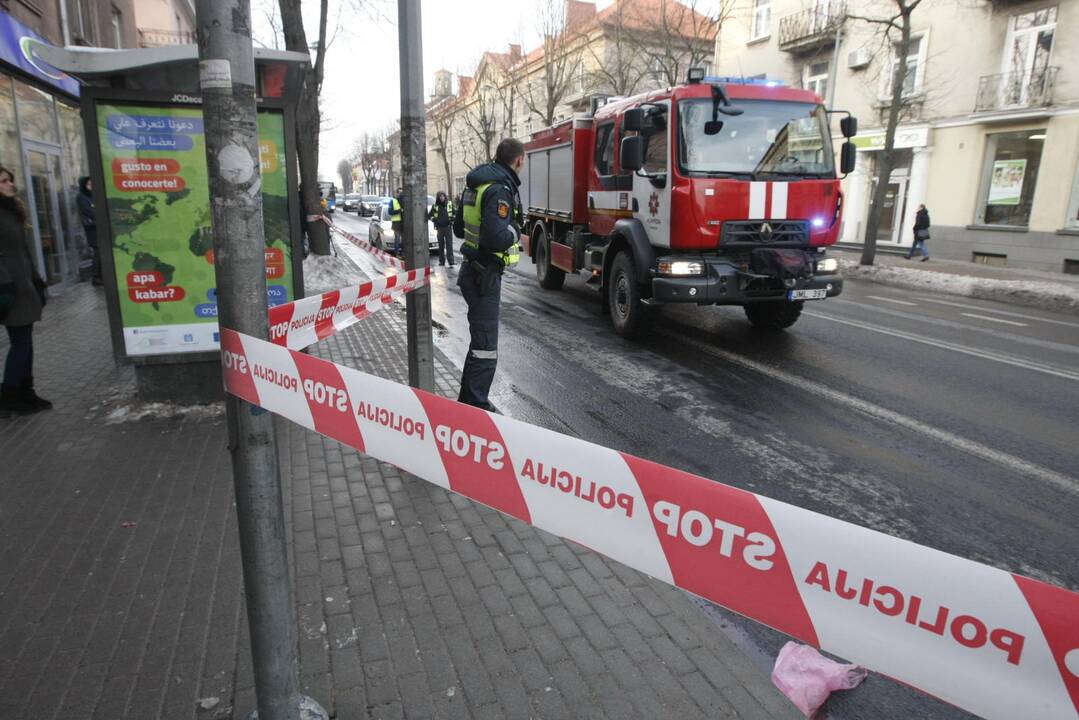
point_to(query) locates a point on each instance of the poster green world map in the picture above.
(154, 162)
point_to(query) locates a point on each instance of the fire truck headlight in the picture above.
(681, 267)
(827, 265)
(818, 222)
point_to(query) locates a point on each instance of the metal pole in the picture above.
(227, 79)
(421, 369)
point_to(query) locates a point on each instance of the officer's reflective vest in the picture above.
(473, 202)
(395, 210)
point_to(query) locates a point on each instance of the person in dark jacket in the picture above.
(22, 296)
(85, 201)
(488, 220)
(441, 214)
(921, 233)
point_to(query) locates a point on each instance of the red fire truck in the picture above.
(716, 192)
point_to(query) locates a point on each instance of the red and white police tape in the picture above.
(306, 321)
(382, 255)
(996, 644)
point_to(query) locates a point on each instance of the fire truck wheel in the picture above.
(624, 297)
(773, 315)
(550, 277)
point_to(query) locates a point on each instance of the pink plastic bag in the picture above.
(807, 678)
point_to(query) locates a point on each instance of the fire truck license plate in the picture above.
(807, 294)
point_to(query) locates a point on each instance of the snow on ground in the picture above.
(161, 411)
(322, 273)
(1033, 293)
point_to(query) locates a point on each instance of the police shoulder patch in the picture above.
(503, 209)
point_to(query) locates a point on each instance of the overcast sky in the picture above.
(361, 90)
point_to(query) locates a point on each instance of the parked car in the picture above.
(380, 232)
(371, 205)
(351, 202)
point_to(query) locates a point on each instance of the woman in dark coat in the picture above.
(22, 296)
(921, 233)
(85, 201)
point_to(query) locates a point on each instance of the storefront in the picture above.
(906, 186)
(41, 142)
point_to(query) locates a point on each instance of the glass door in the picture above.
(891, 215)
(43, 173)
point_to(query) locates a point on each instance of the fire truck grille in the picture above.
(787, 232)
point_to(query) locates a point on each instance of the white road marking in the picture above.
(993, 319)
(966, 350)
(998, 312)
(525, 310)
(892, 300)
(1064, 482)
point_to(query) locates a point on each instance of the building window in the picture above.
(1009, 176)
(1027, 54)
(762, 19)
(80, 20)
(117, 28)
(815, 78)
(912, 81)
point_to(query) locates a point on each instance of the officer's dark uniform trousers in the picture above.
(483, 293)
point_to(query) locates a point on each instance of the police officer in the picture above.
(489, 223)
(396, 221)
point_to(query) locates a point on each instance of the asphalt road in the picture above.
(947, 421)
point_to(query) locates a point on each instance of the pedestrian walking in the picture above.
(397, 221)
(85, 201)
(22, 297)
(488, 221)
(441, 214)
(921, 233)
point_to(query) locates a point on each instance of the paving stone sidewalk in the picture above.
(121, 593)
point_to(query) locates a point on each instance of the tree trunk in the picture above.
(307, 120)
(887, 154)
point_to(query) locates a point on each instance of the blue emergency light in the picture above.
(739, 80)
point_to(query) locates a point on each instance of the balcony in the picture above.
(161, 38)
(812, 29)
(1016, 90)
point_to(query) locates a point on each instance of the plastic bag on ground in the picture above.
(807, 678)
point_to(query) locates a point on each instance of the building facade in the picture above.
(989, 128)
(41, 138)
(629, 47)
(165, 22)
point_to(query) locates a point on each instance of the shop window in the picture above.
(762, 19)
(1009, 176)
(10, 149)
(1072, 222)
(37, 113)
(815, 78)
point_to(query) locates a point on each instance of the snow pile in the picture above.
(164, 411)
(322, 273)
(1033, 293)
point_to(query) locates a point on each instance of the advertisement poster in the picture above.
(154, 162)
(1006, 186)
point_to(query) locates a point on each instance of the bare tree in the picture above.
(443, 119)
(896, 21)
(344, 170)
(308, 114)
(619, 68)
(479, 118)
(682, 35)
(560, 56)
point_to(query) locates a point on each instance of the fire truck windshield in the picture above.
(769, 140)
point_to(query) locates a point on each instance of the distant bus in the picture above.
(329, 194)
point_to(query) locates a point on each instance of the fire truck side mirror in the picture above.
(632, 153)
(847, 158)
(633, 119)
(848, 126)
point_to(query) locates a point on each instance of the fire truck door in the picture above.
(652, 184)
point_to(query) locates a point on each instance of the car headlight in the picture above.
(681, 267)
(827, 265)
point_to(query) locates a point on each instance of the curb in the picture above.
(1030, 293)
